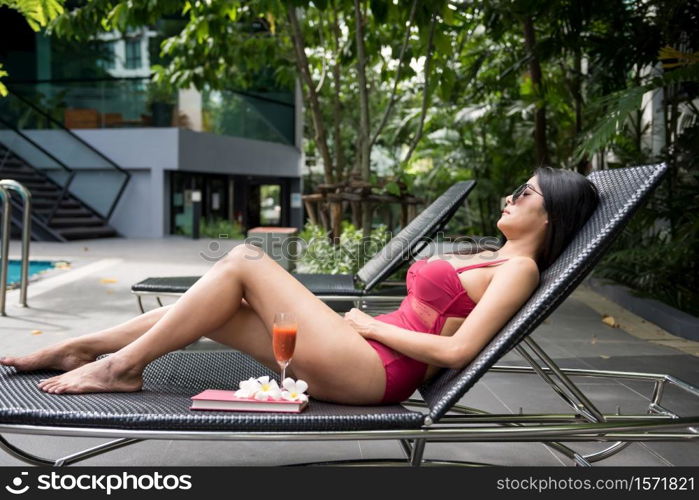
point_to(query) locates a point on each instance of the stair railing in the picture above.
(12, 185)
(4, 246)
(69, 171)
(56, 125)
(4, 157)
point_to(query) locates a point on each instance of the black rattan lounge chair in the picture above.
(160, 411)
(348, 288)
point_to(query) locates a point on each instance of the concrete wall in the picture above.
(204, 152)
(147, 153)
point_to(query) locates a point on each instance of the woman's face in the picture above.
(526, 214)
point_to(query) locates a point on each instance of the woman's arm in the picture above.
(512, 284)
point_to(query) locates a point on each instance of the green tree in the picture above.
(361, 64)
(37, 13)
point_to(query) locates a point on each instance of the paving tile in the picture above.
(188, 453)
(677, 454)
(512, 454)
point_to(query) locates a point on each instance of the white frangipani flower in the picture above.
(294, 390)
(248, 388)
(268, 389)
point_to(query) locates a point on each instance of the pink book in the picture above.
(214, 399)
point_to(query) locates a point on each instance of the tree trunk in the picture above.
(337, 107)
(425, 91)
(394, 92)
(311, 211)
(541, 145)
(304, 70)
(364, 150)
(583, 166)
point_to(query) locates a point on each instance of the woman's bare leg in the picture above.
(72, 353)
(337, 362)
(75, 352)
(249, 337)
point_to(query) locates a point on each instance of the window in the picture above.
(133, 54)
(109, 61)
(270, 205)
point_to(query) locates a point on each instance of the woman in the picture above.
(447, 318)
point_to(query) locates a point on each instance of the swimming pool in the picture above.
(14, 269)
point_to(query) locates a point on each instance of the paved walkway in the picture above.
(93, 292)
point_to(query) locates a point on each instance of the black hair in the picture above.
(569, 200)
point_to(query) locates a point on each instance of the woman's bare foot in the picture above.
(65, 356)
(110, 374)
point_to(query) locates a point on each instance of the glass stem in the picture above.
(283, 365)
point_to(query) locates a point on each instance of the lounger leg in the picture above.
(95, 450)
(584, 407)
(23, 455)
(407, 447)
(418, 451)
(32, 459)
(140, 303)
(587, 404)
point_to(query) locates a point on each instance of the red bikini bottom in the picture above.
(403, 374)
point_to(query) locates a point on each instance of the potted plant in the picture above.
(162, 98)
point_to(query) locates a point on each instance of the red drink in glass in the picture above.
(284, 342)
(284, 339)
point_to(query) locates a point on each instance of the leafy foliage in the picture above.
(216, 228)
(38, 13)
(320, 255)
(221, 228)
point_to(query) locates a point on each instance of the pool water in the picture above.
(14, 269)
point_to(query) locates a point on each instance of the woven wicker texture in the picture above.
(167, 284)
(412, 238)
(329, 284)
(164, 402)
(622, 191)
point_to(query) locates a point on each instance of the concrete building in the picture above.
(103, 139)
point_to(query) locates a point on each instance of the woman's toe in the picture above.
(49, 386)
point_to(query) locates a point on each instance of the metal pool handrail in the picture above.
(5, 186)
(5, 249)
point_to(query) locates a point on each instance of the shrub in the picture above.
(320, 255)
(216, 228)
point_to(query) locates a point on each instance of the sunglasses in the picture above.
(520, 190)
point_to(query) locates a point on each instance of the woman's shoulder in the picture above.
(520, 264)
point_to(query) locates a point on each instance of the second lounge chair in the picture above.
(347, 288)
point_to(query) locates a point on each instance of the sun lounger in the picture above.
(161, 411)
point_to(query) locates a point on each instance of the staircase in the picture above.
(75, 188)
(72, 219)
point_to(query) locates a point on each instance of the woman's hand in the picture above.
(365, 324)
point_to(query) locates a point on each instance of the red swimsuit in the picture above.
(435, 293)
